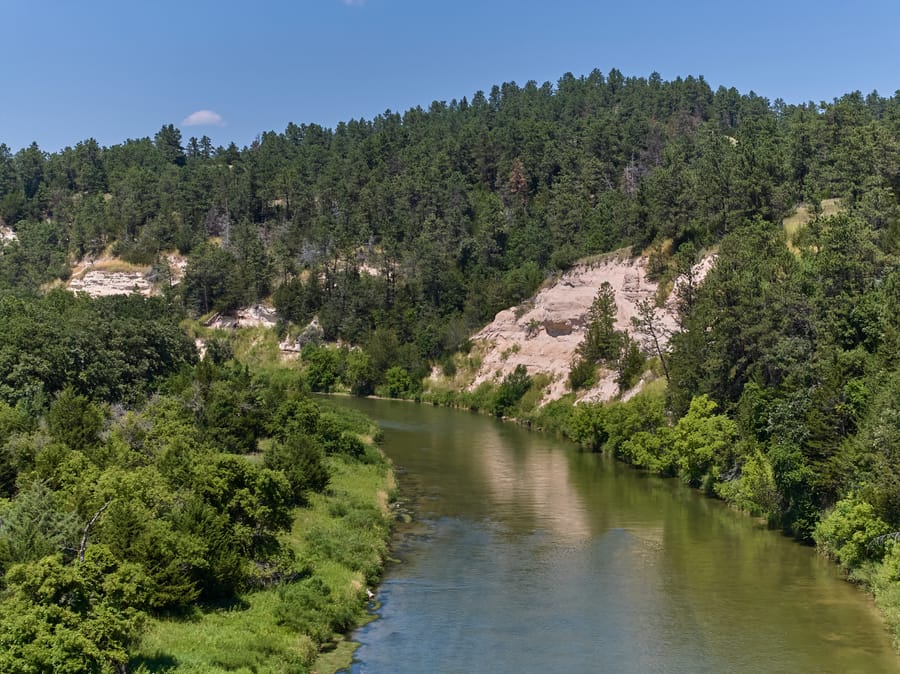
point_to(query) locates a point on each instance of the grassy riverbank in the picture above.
(339, 543)
(336, 547)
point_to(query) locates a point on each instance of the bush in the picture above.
(652, 450)
(360, 374)
(555, 415)
(300, 458)
(755, 489)
(631, 364)
(645, 412)
(511, 390)
(323, 367)
(307, 607)
(350, 445)
(448, 366)
(701, 440)
(586, 425)
(847, 532)
(581, 374)
(398, 383)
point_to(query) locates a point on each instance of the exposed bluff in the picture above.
(543, 332)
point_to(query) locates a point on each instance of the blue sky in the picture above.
(111, 70)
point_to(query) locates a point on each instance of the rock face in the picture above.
(543, 333)
(99, 283)
(108, 275)
(311, 334)
(248, 317)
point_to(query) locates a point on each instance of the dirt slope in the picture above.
(542, 334)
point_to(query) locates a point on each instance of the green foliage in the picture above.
(308, 607)
(848, 532)
(254, 500)
(620, 421)
(398, 383)
(581, 373)
(554, 415)
(322, 367)
(74, 420)
(701, 440)
(630, 364)
(653, 450)
(230, 415)
(359, 373)
(300, 458)
(794, 478)
(210, 281)
(754, 490)
(111, 349)
(601, 340)
(512, 388)
(70, 618)
(35, 525)
(586, 425)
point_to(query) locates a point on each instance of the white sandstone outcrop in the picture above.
(543, 333)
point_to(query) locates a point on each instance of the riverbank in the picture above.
(341, 542)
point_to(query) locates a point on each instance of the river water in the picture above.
(526, 555)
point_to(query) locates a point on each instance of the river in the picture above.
(527, 555)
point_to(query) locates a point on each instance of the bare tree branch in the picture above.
(87, 528)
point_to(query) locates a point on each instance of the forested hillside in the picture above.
(405, 233)
(426, 223)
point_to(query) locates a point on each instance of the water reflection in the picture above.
(528, 556)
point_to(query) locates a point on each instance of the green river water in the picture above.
(526, 555)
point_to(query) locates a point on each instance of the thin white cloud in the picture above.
(203, 118)
(354, 3)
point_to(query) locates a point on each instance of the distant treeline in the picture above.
(428, 222)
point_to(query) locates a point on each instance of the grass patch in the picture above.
(795, 223)
(257, 347)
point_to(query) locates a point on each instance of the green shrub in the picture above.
(360, 375)
(631, 364)
(847, 532)
(512, 388)
(755, 489)
(555, 415)
(586, 425)
(652, 450)
(300, 458)
(645, 412)
(701, 440)
(307, 607)
(398, 383)
(581, 374)
(323, 367)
